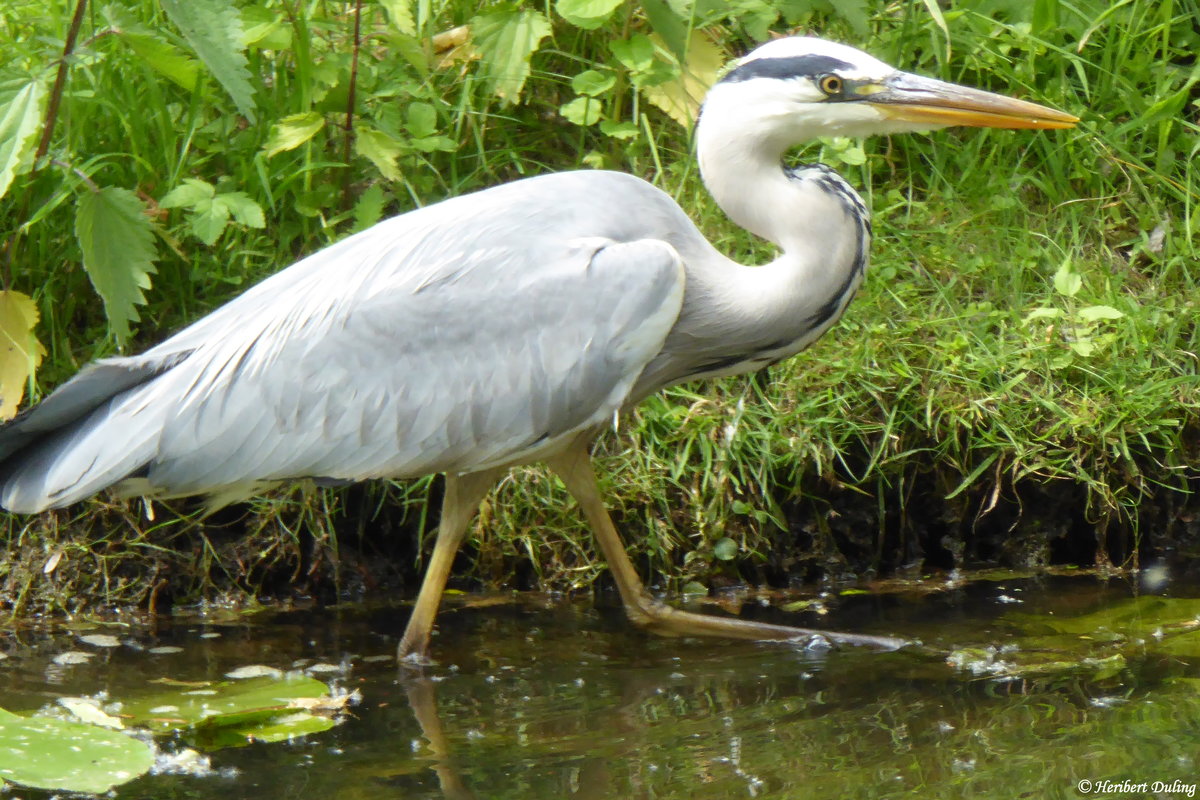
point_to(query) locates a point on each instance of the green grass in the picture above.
(935, 418)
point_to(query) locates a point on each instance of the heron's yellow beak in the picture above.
(916, 99)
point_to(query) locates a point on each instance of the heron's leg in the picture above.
(574, 466)
(459, 504)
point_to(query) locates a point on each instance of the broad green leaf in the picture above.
(369, 208)
(20, 351)
(117, 241)
(244, 209)
(264, 28)
(582, 111)
(188, 194)
(1043, 313)
(274, 728)
(422, 120)
(19, 122)
(1066, 282)
(635, 53)
(586, 14)
(232, 713)
(1135, 618)
(214, 30)
(433, 144)
(506, 40)
(618, 130)
(208, 219)
(54, 754)
(593, 82)
(725, 549)
(378, 147)
(293, 131)
(164, 58)
(681, 96)
(1094, 313)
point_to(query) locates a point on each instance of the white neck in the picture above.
(741, 164)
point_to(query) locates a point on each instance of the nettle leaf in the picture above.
(293, 131)
(20, 351)
(379, 148)
(369, 208)
(158, 53)
(582, 110)
(400, 15)
(506, 40)
(164, 58)
(117, 241)
(586, 14)
(20, 119)
(214, 30)
(48, 753)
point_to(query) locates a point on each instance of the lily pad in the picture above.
(1096, 646)
(1138, 617)
(47, 753)
(231, 713)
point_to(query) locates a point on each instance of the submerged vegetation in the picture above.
(1016, 383)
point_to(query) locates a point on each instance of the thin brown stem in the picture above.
(60, 81)
(351, 97)
(56, 93)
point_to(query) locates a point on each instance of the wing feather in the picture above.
(476, 332)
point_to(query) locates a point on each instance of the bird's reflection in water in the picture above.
(422, 699)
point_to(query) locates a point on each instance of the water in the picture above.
(536, 697)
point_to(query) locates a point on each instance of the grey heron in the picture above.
(506, 327)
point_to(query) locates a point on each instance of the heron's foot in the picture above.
(413, 650)
(657, 617)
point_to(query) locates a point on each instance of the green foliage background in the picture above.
(1028, 327)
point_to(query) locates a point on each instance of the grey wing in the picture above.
(432, 342)
(480, 367)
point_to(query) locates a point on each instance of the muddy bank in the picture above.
(366, 542)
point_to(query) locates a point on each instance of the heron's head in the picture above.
(800, 88)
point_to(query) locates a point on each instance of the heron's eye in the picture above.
(830, 84)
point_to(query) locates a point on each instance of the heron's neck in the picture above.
(744, 174)
(813, 216)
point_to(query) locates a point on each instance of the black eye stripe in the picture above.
(809, 66)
